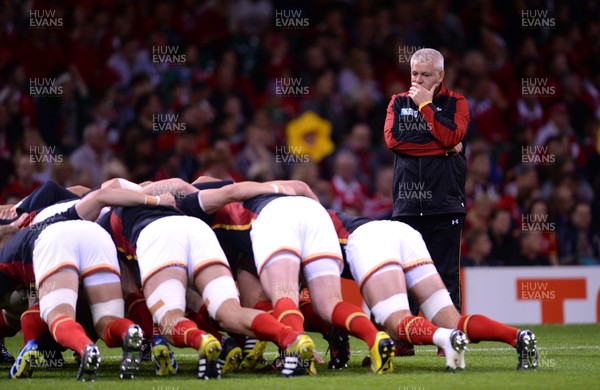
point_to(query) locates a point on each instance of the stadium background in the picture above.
(147, 90)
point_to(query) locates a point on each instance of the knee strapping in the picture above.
(169, 295)
(321, 267)
(113, 308)
(415, 275)
(51, 300)
(98, 278)
(383, 309)
(218, 291)
(436, 302)
(288, 255)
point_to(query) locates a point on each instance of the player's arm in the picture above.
(89, 207)
(212, 200)
(299, 187)
(173, 186)
(205, 179)
(79, 190)
(45, 195)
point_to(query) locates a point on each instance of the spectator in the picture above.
(530, 250)
(381, 204)
(219, 163)
(359, 143)
(23, 182)
(326, 103)
(42, 157)
(580, 243)
(538, 216)
(90, 158)
(504, 245)
(350, 194)
(478, 178)
(558, 124)
(479, 213)
(479, 249)
(129, 60)
(256, 161)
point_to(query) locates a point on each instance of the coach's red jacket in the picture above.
(426, 180)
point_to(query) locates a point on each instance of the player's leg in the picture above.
(211, 275)
(103, 290)
(154, 345)
(215, 281)
(197, 311)
(165, 296)
(56, 267)
(135, 306)
(276, 244)
(100, 273)
(442, 237)
(162, 256)
(35, 351)
(322, 264)
(34, 329)
(436, 305)
(163, 251)
(253, 296)
(58, 299)
(385, 293)
(277, 239)
(396, 240)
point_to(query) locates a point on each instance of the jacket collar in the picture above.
(442, 90)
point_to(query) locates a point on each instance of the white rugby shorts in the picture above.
(298, 225)
(177, 241)
(378, 244)
(80, 245)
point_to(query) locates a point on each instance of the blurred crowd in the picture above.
(533, 153)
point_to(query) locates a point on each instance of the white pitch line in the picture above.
(469, 351)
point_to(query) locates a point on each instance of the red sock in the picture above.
(137, 311)
(114, 333)
(264, 306)
(70, 334)
(266, 327)
(5, 330)
(187, 334)
(286, 312)
(34, 328)
(312, 321)
(478, 328)
(416, 330)
(202, 319)
(348, 316)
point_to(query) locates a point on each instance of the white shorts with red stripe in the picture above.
(177, 241)
(378, 244)
(80, 245)
(298, 225)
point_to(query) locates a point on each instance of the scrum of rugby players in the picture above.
(159, 262)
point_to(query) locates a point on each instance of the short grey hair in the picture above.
(428, 55)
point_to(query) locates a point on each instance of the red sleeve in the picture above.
(394, 140)
(448, 131)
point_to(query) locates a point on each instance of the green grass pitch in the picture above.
(569, 358)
